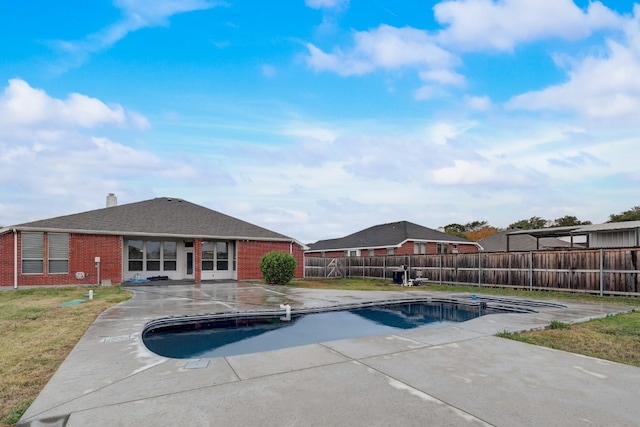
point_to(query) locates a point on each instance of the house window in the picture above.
(135, 255)
(390, 251)
(58, 252)
(222, 254)
(372, 252)
(169, 255)
(32, 253)
(215, 256)
(455, 249)
(442, 248)
(153, 255)
(419, 248)
(208, 255)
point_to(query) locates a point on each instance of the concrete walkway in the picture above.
(450, 376)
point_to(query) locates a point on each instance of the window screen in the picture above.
(58, 252)
(32, 253)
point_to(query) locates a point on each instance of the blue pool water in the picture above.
(228, 336)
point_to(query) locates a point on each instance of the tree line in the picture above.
(477, 230)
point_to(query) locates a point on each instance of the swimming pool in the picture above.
(230, 334)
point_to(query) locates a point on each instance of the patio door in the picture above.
(188, 268)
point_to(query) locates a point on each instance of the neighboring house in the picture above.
(159, 238)
(608, 235)
(397, 238)
(519, 242)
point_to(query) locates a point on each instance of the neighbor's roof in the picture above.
(609, 226)
(577, 229)
(164, 216)
(518, 242)
(385, 235)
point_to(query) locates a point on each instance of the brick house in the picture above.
(396, 238)
(158, 238)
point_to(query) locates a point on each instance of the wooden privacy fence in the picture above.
(603, 271)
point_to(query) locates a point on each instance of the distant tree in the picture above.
(481, 233)
(632, 214)
(455, 230)
(533, 223)
(475, 225)
(567, 221)
(474, 230)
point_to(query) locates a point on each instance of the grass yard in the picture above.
(37, 334)
(615, 338)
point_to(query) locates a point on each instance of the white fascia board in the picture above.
(164, 235)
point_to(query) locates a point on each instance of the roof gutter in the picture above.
(165, 235)
(15, 259)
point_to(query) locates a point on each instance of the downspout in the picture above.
(15, 259)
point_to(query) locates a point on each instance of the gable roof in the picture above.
(385, 235)
(164, 216)
(518, 242)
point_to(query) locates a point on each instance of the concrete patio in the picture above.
(449, 376)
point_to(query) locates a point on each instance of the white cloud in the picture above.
(502, 24)
(384, 47)
(311, 131)
(326, 4)
(443, 76)
(48, 149)
(598, 87)
(481, 172)
(478, 103)
(22, 105)
(136, 14)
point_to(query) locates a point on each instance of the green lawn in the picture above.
(37, 334)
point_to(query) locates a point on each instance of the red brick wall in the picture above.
(83, 248)
(467, 248)
(250, 253)
(463, 248)
(406, 249)
(6, 259)
(197, 260)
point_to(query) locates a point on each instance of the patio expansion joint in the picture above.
(399, 384)
(46, 413)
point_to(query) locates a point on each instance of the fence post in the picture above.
(530, 271)
(440, 281)
(479, 269)
(601, 271)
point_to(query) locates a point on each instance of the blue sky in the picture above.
(318, 118)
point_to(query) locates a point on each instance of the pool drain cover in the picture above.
(196, 364)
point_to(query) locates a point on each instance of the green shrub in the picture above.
(278, 268)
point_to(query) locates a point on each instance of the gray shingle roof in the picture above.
(162, 216)
(385, 235)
